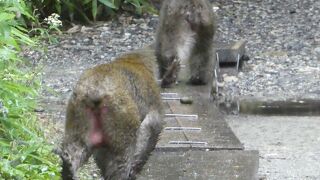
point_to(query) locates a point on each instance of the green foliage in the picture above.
(24, 154)
(47, 27)
(88, 10)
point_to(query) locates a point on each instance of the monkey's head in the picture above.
(171, 74)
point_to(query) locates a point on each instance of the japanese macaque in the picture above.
(185, 37)
(115, 114)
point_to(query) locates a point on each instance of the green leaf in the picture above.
(85, 2)
(24, 154)
(94, 9)
(4, 143)
(58, 7)
(14, 87)
(136, 3)
(109, 3)
(22, 37)
(5, 30)
(6, 16)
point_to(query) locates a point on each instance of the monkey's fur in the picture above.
(185, 34)
(116, 114)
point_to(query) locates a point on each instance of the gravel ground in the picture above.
(283, 45)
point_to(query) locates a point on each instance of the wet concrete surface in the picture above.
(289, 146)
(220, 165)
(293, 107)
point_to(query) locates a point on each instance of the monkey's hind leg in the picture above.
(198, 71)
(202, 64)
(147, 138)
(74, 154)
(109, 162)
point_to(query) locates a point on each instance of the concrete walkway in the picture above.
(197, 143)
(289, 146)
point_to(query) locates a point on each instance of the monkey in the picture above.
(185, 35)
(115, 114)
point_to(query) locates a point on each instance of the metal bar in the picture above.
(182, 115)
(182, 129)
(188, 142)
(238, 62)
(216, 81)
(163, 94)
(218, 61)
(167, 98)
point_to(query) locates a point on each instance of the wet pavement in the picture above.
(289, 146)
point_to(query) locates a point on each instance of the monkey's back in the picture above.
(185, 34)
(186, 27)
(128, 89)
(176, 17)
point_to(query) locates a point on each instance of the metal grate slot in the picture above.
(169, 94)
(171, 98)
(194, 116)
(189, 142)
(182, 129)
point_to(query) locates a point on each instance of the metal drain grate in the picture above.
(189, 142)
(182, 129)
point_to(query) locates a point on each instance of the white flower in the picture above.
(53, 20)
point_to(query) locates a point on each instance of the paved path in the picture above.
(288, 145)
(197, 143)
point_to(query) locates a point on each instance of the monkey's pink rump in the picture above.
(96, 134)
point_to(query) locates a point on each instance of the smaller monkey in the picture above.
(185, 35)
(115, 114)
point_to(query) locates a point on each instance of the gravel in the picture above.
(283, 41)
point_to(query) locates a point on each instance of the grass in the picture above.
(24, 153)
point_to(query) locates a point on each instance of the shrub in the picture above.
(87, 10)
(24, 153)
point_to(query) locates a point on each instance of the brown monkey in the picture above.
(114, 113)
(185, 34)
